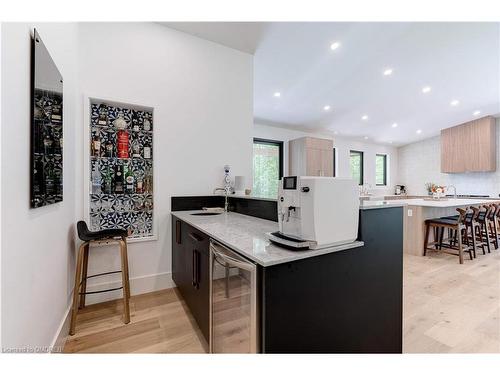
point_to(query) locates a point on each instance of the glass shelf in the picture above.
(117, 158)
(115, 129)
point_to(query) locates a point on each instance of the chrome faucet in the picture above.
(226, 192)
(454, 191)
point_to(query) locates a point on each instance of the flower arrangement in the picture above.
(437, 191)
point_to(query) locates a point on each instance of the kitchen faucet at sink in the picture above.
(454, 191)
(226, 188)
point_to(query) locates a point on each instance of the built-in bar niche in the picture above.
(121, 179)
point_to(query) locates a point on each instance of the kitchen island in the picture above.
(416, 211)
(341, 299)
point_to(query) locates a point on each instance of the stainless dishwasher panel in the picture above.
(233, 302)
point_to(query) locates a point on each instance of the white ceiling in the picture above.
(243, 36)
(458, 60)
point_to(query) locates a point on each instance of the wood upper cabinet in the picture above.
(470, 147)
(311, 157)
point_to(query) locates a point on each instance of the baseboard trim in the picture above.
(61, 336)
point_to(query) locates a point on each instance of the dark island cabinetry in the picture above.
(343, 302)
(190, 270)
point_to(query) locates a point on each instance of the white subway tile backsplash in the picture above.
(420, 162)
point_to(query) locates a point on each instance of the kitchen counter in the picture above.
(417, 211)
(246, 235)
(445, 203)
(368, 205)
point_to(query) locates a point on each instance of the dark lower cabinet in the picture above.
(343, 302)
(190, 270)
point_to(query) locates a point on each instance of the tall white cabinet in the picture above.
(310, 156)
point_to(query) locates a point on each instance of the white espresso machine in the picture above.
(316, 212)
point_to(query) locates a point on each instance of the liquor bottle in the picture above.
(58, 183)
(136, 148)
(109, 149)
(47, 144)
(38, 178)
(49, 181)
(139, 189)
(108, 182)
(96, 182)
(148, 183)
(118, 179)
(103, 115)
(135, 121)
(129, 181)
(56, 113)
(122, 143)
(96, 145)
(146, 123)
(147, 151)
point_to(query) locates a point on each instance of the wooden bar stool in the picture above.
(457, 229)
(482, 232)
(80, 288)
(492, 223)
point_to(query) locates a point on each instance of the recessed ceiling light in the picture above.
(366, 137)
(364, 117)
(326, 108)
(419, 131)
(334, 46)
(335, 132)
(426, 89)
(277, 94)
(395, 125)
(388, 72)
(454, 103)
(390, 142)
(477, 113)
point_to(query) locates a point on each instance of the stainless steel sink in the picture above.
(206, 213)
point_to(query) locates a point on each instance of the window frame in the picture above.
(334, 162)
(272, 142)
(385, 169)
(361, 165)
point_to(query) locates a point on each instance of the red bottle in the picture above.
(122, 144)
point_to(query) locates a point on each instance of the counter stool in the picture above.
(80, 288)
(492, 223)
(457, 228)
(482, 232)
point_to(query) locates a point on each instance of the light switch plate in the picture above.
(410, 212)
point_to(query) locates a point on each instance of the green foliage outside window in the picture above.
(265, 170)
(356, 161)
(381, 170)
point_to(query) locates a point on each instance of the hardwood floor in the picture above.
(448, 308)
(160, 322)
(451, 308)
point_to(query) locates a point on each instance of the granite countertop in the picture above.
(368, 205)
(248, 197)
(246, 235)
(448, 202)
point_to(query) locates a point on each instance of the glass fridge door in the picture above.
(233, 302)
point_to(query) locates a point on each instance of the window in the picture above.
(381, 170)
(356, 161)
(267, 167)
(334, 162)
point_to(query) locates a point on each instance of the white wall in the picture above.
(202, 94)
(37, 244)
(421, 162)
(343, 146)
